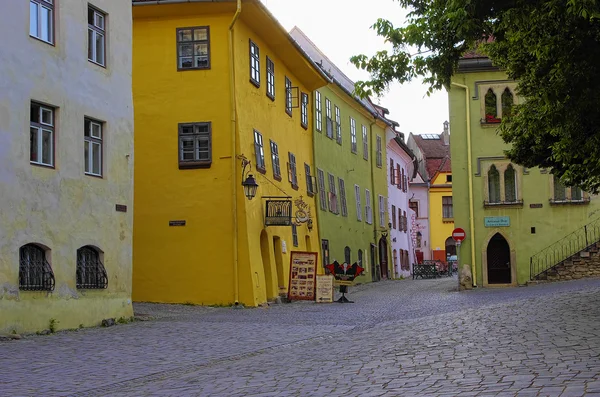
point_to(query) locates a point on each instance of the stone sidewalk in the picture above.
(400, 338)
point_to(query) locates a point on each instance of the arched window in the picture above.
(419, 237)
(576, 194)
(507, 102)
(560, 191)
(494, 185)
(347, 257)
(35, 273)
(510, 184)
(360, 258)
(491, 108)
(90, 270)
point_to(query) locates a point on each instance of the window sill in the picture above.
(51, 166)
(295, 187)
(570, 202)
(489, 125)
(255, 83)
(96, 63)
(448, 220)
(288, 112)
(339, 142)
(271, 97)
(94, 175)
(194, 165)
(277, 177)
(305, 126)
(43, 41)
(310, 194)
(504, 204)
(179, 69)
(261, 170)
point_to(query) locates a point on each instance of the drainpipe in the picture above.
(373, 192)
(314, 161)
(469, 169)
(236, 282)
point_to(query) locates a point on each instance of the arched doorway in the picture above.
(450, 247)
(498, 260)
(279, 264)
(265, 253)
(383, 257)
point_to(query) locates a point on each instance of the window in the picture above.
(368, 209)
(325, 249)
(259, 152)
(419, 239)
(353, 142)
(347, 255)
(494, 185)
(343, 197)
(358, 203)
(333, 202)
(96, 36)
(275, 161)
(328, 120)
(92, 151)
(378, 154)
(491, 107)
(405, 228)
(91, 273)
(193, 48)
(507, 102)
(447, 212)
(309, 180)
(382, 205)
(365, 143)
(294, 235)
(392, 172)
(288, 96)
(304, 111)
(35, 273)
(400, 220)
(414, 205)
(565, 195)
(41, 135)
(397, 180)
(322, 192)
(270, 79)
(292, 174)
(195, 147)
(403, 181)
(576, 194)
(360, 258)
(394, 217)
(448, 178)
(254, 64)
(338, 126)
(318, 111)
(560, 190)
(510, 185)
(41, 20)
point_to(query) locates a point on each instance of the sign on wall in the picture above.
(324, 288)
(303, 271)
(496, 221)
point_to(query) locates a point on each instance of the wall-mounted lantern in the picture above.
(249, 183)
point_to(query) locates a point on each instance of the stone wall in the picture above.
(582, 265)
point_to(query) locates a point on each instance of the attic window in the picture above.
(448, 178)
(430, 136)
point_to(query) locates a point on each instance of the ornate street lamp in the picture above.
(250, 187)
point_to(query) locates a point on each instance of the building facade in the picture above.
(350, 155)
(515, 212)
(419, 205)
(230, 98)
(66, 164)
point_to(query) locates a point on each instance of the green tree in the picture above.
(552, 48)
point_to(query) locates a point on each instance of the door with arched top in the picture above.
(498, 260)
(383, 257)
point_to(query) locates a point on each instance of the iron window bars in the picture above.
(35, 273)
(91, 273)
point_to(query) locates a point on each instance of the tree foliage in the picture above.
(552, 48)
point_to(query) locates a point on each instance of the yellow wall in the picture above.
(194, 263)
(440, 229)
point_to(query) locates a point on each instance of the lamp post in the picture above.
(250, 187)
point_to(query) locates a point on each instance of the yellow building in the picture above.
(217, 84)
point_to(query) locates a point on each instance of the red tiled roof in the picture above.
(432, 148)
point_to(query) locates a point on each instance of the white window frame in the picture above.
(39, 6)
(254, 54)
(259, 151)
(288, 96)
(304, 110)
(338, 126)
(270, 79)
(197, 137)
(97, 29)
(344, 204)
(353, 141)
(382, 222)
(378, 159)
(41, 128)
(310, 188)
(91, 140)
(368, 209)
(318, 112)
(322, 191)
(275, 160)
(358, 203)
(365, 142)
(292, 171)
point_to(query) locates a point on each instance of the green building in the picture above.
(520, 223)
(351, 174)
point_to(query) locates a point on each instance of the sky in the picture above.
(341, 29)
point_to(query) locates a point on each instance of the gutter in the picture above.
(469, 169)
(236, 281)
(157, 2)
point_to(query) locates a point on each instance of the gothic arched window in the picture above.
(494, 185)
(510, 184)
(491, 108)
(560, 190)
(507, 102)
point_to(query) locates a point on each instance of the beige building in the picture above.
(66, 163)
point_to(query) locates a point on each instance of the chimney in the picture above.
(446, 133)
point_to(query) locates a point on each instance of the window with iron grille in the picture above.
(41, 135)
(378, 154)
(328, 120)
(295, 235)
(318, 111)
(358, 203)
(414, 205)
(41, 20)
(447, 211)
(333, 201)
(343, 197)
(338, 126)
(394, 217)
(310, 190)
(365, 138)
(288, 96)
(91, 273)
(92, 152)
(353, 141)
(35, 273)
(195, 146)
(96, 36)
(322, 191)
(275, 161)
(193, 48)
(270, 79)
(304, 111)
(368, 209)
(259, 151)
(292, 173)
(254, 64)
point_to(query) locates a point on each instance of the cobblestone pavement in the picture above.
(399, 338)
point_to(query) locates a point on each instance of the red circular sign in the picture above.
(459, 234)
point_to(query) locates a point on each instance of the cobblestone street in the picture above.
(399, 338)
